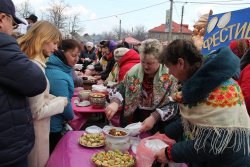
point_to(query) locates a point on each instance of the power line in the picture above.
(190, 2)
(131, 11)
(215, 3)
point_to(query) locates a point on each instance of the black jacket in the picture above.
(19, 78)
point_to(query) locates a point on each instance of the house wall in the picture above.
(162, 36)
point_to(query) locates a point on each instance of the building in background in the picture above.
(161, 32)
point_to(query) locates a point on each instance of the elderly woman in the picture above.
(145, 90)
(212, 108)
(125, 59)
(59, 73)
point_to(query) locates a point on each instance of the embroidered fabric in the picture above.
(115, 94)
(168, 111)
(222, 116)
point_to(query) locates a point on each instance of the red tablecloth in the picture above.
(76, 91)
(68, 153)
(88, 109)
(81, 114)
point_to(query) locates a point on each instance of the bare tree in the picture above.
(109, 35)
(124, 33)
(24, 9)
(73, 24)
(57, 15)
(140, 33)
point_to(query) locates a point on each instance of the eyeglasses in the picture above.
(14, 24)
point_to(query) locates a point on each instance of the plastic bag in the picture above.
(144, 154)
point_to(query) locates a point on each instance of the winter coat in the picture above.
(61, 84)
(110, 64)
(43, 106)
(214, 116)
(125, 63)
(244, 83)
(19, 78)
(90, 54)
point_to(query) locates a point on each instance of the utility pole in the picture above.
(170, 22)
(120, 29)
(182, 11)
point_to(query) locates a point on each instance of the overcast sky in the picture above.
(151, 16)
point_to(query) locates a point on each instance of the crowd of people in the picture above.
(202, 102)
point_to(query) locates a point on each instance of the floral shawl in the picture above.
(113, 75)
(131, 88)
(213, 106)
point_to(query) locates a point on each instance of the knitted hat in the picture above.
(89, 44)
(119, 52)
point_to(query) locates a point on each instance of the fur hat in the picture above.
(89, 44)
(119, 52)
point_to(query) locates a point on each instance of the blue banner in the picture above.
(225, 27)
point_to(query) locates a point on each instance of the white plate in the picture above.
(83, 103)
(93, 129)
(82, 136)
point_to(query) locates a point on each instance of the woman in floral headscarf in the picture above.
(212, 108)
(145, 90)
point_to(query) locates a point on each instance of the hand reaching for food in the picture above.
(111, 109)
(148, 124)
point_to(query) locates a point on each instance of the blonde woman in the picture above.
(40, 42)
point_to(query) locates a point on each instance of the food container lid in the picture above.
(99, 88)
(93, 129)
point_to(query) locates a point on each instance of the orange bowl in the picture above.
(97, 100)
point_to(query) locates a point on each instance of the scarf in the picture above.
(61, 56)
(164, 85)
(215, 107)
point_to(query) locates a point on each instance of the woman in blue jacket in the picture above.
(59, 73)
